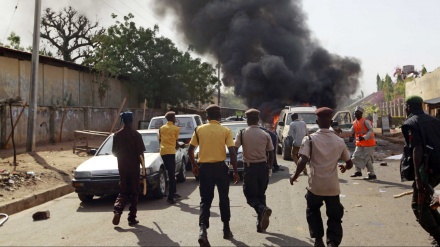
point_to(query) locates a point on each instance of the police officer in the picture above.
(127, 147)
(323, 150)
(256, 143)
(168, 135)
(422, 132)
(365, 144)
(212, 169)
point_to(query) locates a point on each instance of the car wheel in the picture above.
(160, 191)
(279, 149)
(85, 197)
(287, 150)
(181, 177)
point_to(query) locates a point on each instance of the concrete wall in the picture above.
(56, 83)
(50, 119)
(427, 87)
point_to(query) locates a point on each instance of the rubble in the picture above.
(11, 181)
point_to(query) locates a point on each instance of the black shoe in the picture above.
(227, 234)
(259, 227)
(356, 174)
(370, 177)
(264, 223)
(171, 200)
(319, 242)
(331, 244)
(177, 196)
(275, 169)
(132, 222)
(116, 219)
(203, 237)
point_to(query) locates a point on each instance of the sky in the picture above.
(382, 35)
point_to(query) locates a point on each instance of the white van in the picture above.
(306, 114)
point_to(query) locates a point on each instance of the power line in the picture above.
(12, 17)
(111, 7)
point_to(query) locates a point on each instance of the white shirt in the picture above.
(297, 129)
(327, 149)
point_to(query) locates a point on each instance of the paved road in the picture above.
(372, 217)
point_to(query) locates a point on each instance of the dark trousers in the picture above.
(169, 161)
(129, 183)
(211, 175)
(255, 181)
(275, 162)
(334, 211)
(428, 218)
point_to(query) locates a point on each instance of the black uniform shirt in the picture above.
(127, 147)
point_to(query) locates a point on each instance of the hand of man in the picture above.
(236, 178)
(342, 168)
(337, 130)
(435, 202)
(361, 138)
(292, 179)
(195, 170)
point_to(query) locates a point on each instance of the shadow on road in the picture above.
(283, 240)
(148, 236)
(391, 184)
(41, 161)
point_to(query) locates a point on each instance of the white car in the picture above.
(99, 175)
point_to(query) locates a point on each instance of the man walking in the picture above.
(323, 149)
(365, 144)
(273, 137)
(168, 135)
(127, 147)
(297, 130)
(256, 143)
(422, 144)
(212, 169)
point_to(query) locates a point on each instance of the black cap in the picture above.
(213, 107)
(127, 117)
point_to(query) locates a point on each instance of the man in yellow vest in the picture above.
(365, 144)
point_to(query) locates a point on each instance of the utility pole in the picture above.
(30, 142)
(219, 83)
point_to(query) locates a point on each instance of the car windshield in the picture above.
(308, 118)
(184, 123)
(150, 140)
(235, 128)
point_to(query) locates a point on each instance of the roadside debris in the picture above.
(11, 181)
(3, 218)
(41, 215)
(383, 164)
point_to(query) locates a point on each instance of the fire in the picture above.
(275, 121)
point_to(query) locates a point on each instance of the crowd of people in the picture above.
(320, 150)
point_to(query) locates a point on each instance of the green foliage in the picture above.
(424, 71)
(370, 108)
(14, 41)
(159, 71)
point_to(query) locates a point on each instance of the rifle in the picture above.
(424, 171)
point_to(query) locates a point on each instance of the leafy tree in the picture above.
(424, 71)
(388, 88)
(69, 33)
(379, 83)
(160, 72)
(14, 41)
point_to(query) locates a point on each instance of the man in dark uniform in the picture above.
(256, 143)
(212, 169)
(127, 147)
(422, 132)
(273, 137)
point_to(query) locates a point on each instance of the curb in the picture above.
(35, 200)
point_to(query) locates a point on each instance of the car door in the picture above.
(344, 119)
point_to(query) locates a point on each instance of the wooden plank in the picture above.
(15, 124)
(117, 115)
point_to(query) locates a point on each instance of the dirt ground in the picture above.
(48, 167)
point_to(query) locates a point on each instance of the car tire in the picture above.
(160, 191)
(181, 176)
(279, 149)
(287, 150)
(85, 197)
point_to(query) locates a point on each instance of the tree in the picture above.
(70, 33)
(424, 71)
(379, 83)
(14, 41)
(159, 71)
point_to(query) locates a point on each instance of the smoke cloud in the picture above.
(266, 52)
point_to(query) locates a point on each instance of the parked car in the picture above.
(187, 123)
(235, 127)
(234, 118)
(99, 175)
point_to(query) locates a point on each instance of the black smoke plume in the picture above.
(266, 52)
